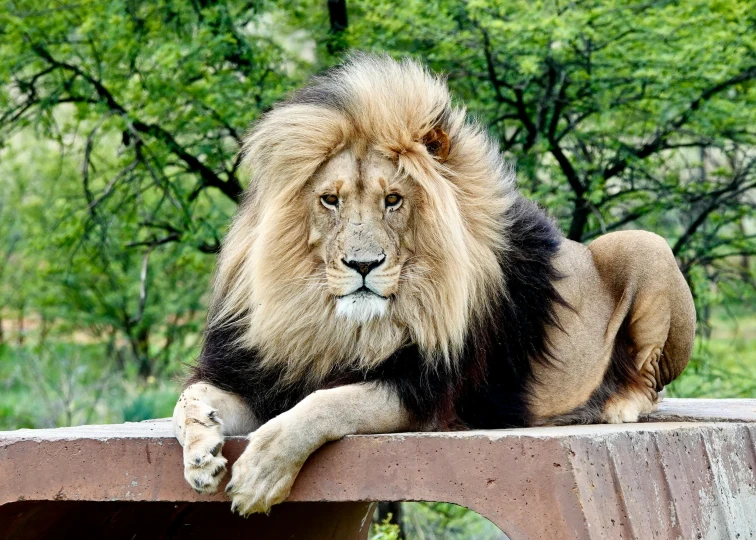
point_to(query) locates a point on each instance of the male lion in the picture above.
(383, 274)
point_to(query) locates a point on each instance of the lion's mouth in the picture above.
(361, 305)
(363, 290)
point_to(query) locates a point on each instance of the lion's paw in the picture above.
(629, 407)
(265, 472)
(204, 466)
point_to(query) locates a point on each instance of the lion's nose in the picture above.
(363, 267)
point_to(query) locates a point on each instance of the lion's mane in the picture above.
(482, 252)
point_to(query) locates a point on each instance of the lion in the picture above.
(383, 274)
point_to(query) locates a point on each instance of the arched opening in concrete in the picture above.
(430, 521)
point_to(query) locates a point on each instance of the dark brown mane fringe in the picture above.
(501, 352)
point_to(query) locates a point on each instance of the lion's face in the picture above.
(360, 212)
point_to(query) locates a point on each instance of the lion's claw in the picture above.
(204, 466)
(264, 474)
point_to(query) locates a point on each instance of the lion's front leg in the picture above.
(265, 472)
(203, 415)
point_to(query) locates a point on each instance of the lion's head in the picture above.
(373, 218)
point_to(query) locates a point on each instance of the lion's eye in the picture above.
(330, 200)
(393, 200)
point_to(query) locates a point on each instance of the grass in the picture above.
(724, 366)
(67, 384)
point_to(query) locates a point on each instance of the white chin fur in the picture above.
(360, 307)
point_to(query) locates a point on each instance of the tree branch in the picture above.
(231, 187)
(660, 141)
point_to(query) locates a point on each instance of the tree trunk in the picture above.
(20, 325)
(337, 13)
(579, 220)
(140, 344)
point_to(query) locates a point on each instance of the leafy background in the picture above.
(120, 122)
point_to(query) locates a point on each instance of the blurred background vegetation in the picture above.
(120, 122)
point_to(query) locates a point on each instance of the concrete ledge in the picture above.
(685, 472)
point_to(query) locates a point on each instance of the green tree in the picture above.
(58, 275)
(138, 108)
(160, 94)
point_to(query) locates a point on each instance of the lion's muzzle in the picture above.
(369, 285)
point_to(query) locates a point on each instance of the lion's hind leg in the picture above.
(201, 418)
(633, 380)
(654, 345)
(653, 342)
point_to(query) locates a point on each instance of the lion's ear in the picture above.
(438, 144)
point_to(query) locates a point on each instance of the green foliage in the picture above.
(120, 126)
(385, 530)
(447, 521)
(68, 384)
(156, 401)
(151, 99)
(724, 365)
(121, 121)
(62, 272)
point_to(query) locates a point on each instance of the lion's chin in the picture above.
(361, 306)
